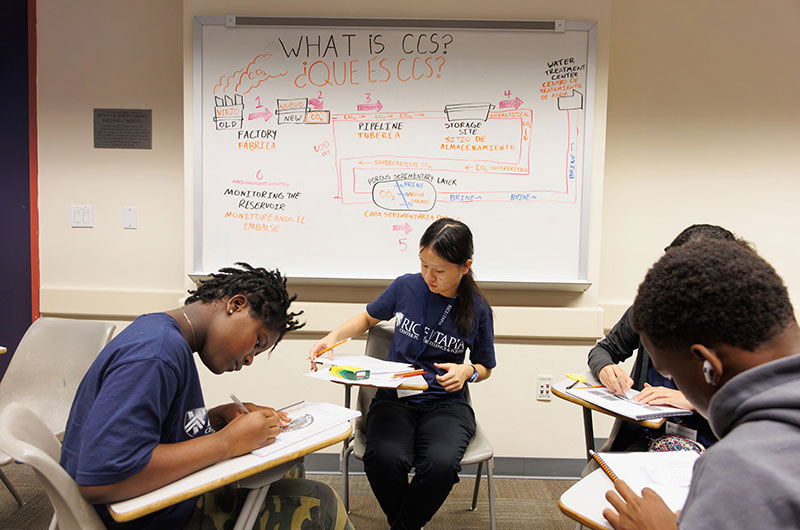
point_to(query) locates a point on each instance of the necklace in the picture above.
(194, 337)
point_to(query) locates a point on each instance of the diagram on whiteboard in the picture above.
(326, 135)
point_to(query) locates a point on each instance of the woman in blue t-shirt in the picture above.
(439, 314)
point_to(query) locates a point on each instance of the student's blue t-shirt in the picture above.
(419, 338)
(142, 390)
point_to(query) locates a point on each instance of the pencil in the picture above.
(239, 403)
(332, 347)
(602, 463)
(287, 407)
(409, 373)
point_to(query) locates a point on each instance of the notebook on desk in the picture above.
(669, 474)
(624, 405)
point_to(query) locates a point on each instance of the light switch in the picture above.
(82, 216)
(129, 217)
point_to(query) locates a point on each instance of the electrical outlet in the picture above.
(543, 387)
(129, 217)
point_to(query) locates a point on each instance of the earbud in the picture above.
(230, 311)
(708, 372)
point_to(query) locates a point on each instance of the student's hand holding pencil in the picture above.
(615, 379)
(253, 430)
(325, 345)
(648, 512)
(223, 414)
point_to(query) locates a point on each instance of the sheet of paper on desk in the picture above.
(668, 473)
(307, 419)
(380, 375)
(365, 362)
(379, 380)
(624, 405)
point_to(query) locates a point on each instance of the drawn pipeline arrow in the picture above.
(255, 115)
(402, 228)
(370, 106)
(508, 103)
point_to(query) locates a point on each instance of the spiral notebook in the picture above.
(624, 405)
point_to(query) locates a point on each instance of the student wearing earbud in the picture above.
(620, 344)
(717, 318)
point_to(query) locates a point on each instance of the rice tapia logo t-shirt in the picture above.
(426, 333)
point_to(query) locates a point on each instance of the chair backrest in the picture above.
(49, 363)
(25, 437)
(379, 338)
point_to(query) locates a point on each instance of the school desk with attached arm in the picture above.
(559, 389)
(669, 474)
(250, 471)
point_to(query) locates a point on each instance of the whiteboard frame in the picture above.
(558, 25)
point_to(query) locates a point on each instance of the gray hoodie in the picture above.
(751, 478)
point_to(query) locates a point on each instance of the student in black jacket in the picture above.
(622, 341)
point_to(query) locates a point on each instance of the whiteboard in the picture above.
(326, 147)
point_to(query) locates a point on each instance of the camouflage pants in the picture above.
(291, 504)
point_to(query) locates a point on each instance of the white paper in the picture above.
(365, 362)
(380, 371)
(624, 405)
(668, 474)
(307, 419)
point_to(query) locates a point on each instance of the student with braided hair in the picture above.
(139, 421)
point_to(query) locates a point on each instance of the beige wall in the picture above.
(702, 126)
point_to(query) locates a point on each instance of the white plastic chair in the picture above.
(478, 451)
(25, 437)
(47, 367)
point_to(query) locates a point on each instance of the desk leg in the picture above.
(346, 442)
(250, 508)
(588, 431)
(344, 459)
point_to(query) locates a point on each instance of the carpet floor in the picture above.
(519, 504)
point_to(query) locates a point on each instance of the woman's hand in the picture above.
(313, 353)
(615, 379)
(661, 395)
(455, 375)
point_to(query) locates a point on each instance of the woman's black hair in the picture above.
(451, 240)
(264, 289)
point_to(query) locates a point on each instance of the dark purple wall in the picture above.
(15, 237)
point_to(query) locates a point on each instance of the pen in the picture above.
(332, 347)
(602, 463)
(239, 403)
(287, 407)
(622, 390)
(410, 374)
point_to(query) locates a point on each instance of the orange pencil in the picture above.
(410, 374)
(602, 463)
(332, 347)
